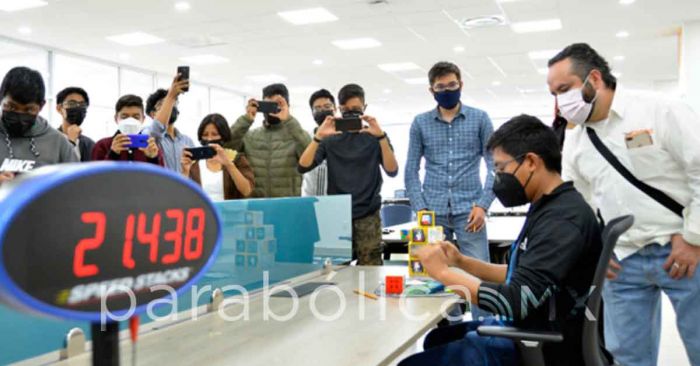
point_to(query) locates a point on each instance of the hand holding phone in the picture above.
(268, 107)
(138, 141)
(201, 153)
(184, 72)
(349, 124)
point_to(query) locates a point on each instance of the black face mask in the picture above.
(76, 116)
(508, 189)
(272, 120)
(173, 115)
(204, 142)
(351, 114)
(320, 116)
(17, 124)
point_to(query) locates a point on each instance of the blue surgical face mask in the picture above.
(448, 99)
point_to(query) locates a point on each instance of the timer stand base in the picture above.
(105, 344)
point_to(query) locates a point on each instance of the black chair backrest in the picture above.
(592, 353)
(395, 215)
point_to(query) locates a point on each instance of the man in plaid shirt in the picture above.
(452, 138)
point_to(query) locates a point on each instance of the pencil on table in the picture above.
(367, 294)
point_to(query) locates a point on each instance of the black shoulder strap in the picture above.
(650, 191)
(559, 126)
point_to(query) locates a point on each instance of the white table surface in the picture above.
(383, 334)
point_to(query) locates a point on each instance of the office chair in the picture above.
(529, 343)
(395, 215)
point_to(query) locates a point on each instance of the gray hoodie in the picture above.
(42, 146)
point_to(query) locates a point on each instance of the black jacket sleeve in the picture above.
(551, 252)
(318, 159)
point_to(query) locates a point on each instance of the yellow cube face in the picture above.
(426, 218)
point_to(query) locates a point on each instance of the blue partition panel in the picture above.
(285, 237)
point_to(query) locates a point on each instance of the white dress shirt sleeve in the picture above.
(570, 171)
(680, 135)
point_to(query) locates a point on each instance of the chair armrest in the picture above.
(518, 334)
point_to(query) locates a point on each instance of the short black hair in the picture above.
(584, 59)
(524, 134)
(128, 100)
(276, 89)
(63, 94)
(24, 85)
(153, 99)
(219, 122)
(443, 68)
(323, 93)
(351, 91)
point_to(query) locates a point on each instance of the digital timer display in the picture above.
(102, 232)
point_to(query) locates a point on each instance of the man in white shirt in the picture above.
(657, 140)
(315, 182)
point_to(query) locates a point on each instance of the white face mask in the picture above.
(573, 107)
(129, 126)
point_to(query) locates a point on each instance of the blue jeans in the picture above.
(633, 308)
(460, 345)
(470, 244)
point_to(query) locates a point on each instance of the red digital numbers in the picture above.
(174, 236)
(127, 256)
(186, 239)
(194, 234)
(80, 269)
(150, 238)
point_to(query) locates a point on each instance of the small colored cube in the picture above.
(418, 235)
(426, 218)
(240, 260)
(240, 246)
(252, 246)
(435, 234)
(393, 285)
(250, 233)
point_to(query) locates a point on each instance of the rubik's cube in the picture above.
(425, 233)
(255, 242)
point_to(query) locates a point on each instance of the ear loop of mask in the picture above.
(593, 101)
(528, 178)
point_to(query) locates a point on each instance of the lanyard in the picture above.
(514, 253)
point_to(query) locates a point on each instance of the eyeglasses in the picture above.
(453, 85)
(73, 104)
(500, 168)
(325, 107)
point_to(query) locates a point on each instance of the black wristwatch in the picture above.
(382, 137)
(318, 141)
